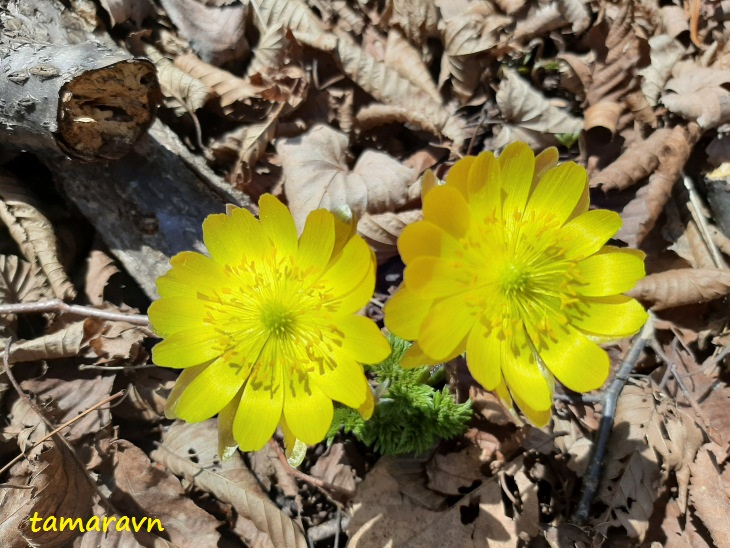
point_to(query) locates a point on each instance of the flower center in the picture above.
(278, 319)
(514, 279)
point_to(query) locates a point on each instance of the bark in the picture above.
(61, 92)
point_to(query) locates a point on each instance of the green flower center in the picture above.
(278, 319)
(514, 279)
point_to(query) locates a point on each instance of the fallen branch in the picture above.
(57, 305)
(592, 477)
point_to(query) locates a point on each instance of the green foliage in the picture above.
(410, 415)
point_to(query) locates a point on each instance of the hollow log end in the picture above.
(102, 112)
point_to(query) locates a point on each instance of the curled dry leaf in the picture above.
(17, 284)
(681, 287)
(100, 267)
(523, 106)
(700, 95)
(618, 55)
(292, 14)
(253, 140)
(34, 234)
(232, 91)
(641, 213)
(271, 51)
(665, 51)
(381, 230)
(709, 496)
(636, 163)
(377, 114)
(187, 93)
(189, 451)
(316, 175)
(65, 343)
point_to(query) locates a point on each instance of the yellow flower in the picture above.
(511, 267)
(265, 328)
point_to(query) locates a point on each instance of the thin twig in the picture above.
(57, 305)
(592, 476)
(695, 209)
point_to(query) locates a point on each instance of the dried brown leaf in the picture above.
(619, 53)
(34, 234)
(253, 139)
(674, 20)
(100, 267)
(403, 57)
(665, 51)
(376, 114)
(632, 475)
(641, 213)
(381, 230)
(187, 92)
(388, 86)
(317, 175)
(60, 487)
(271, 52)
(229, 481)
(382, 516)
(636, 163)
(216, 34)
(700, 95)
(709, 496)
(146, 397)
(682, 287)
(292, 14)
(17, 284)
(417, 19)
(120, 11)
(333, 467)
(541, 19)
(65, 343)
(523, 105)
(232, 91)
(573, 440)
(142, 489)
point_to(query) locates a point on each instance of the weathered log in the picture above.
(85, 99)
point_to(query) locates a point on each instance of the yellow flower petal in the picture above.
(227, 444)
(518, 167)
(611, 317)
(183, 381)
(317, 241)
(446, 326)
(423, 238)
(405, 312)
(308, 411)
(414, 357)
(433, 278)
(447, 208)
(209, 392)
(191, 275)
(231, 238)
(187, 348)
(360, 295)
(559, 191)
(609, 272)
(578, 363)
(367, 408)
(484, 356)
(458, 175)
(536, 418)
(485, 186)
(544, 162)
(588, 232)
(260, 410)
(278, 224)
(362, 340)
(344, 381)
(350, 269)
(523, 375)
(176, 314)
